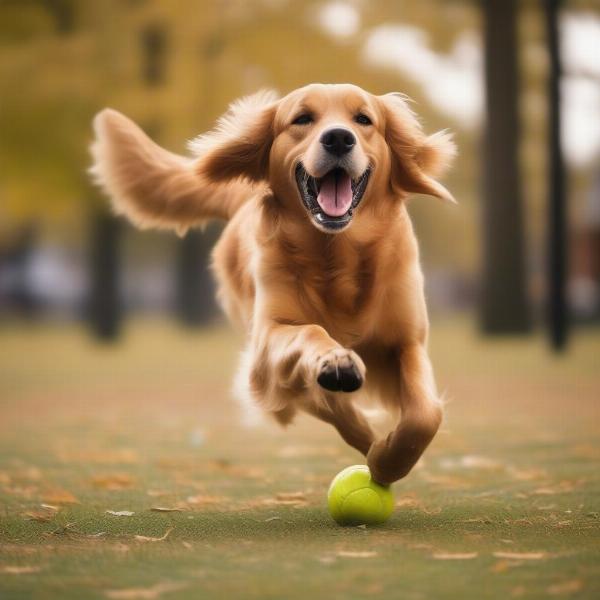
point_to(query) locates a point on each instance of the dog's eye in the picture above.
(303, 119)
(362, 119)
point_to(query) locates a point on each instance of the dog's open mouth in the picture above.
(331, 199)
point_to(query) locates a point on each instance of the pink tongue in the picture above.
(335, 194)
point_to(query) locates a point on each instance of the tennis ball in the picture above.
(355, 499)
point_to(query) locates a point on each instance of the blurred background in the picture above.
(518, 83)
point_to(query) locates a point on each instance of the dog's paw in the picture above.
(340, 370)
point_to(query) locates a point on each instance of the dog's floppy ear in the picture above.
(417, 159)
(239, 146)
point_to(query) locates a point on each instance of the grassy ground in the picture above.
(505, 504)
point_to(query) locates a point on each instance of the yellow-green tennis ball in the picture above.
(355, 499)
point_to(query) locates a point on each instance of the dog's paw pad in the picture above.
(339, 372)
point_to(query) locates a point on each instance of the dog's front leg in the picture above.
(349, 422)
(300, 357)
(301, 366)
(394, 456)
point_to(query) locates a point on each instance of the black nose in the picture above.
(338, 141)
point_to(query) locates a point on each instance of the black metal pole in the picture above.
(558, 318)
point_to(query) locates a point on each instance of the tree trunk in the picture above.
(557, 225)
(195, 301)
(104, 303)
(504, 303)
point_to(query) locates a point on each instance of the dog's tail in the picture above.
(152, 186)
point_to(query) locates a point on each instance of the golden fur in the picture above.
(309, 299)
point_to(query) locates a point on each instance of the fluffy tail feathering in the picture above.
(153, 187)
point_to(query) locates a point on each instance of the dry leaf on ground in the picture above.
(148, 593)
(120, 513)
(291, 496)
(288, 498)
(504, 565)
(527, 474)
(356, 554)
(145, 538)
(203, 500)
(445, 481)
(471, 461)
(41, 516)
(158, 493)
(19, 569)
(60, 496)
(120, 456)
(521, 555)
(166, 509)
(408, 502)
(113, 481)
(455, 555)
(565, 587)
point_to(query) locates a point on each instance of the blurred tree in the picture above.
(63, 12)
(504, 303)
(557, 224)
(104, 301)
(195, 299)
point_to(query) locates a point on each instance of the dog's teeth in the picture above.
(314, 185)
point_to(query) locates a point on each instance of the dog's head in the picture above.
(329, 150)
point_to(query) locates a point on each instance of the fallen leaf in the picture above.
(166, 509)
(59, 496)
(19, 570)
(50, 507)
(41, 516)
(291, 496)
(148, 593)
(521, 555)
(563, 523)
(522, 521)
(28, 491)
(546, 491)
(485, 520)
(455, 555)
(157, 493)
(120, 513)
(504, 565)
(527, 474)
(446, 481)
(113, 481)
(144, 538)
(236, 470)
(586, 451)
(203, 499)
(407, 502)
(120, 456)
(471, 461)
(566, 587)
(304, 451)
(295, 499)
(356, 554)
(272, 519)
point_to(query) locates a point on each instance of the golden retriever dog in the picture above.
(318, 261)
